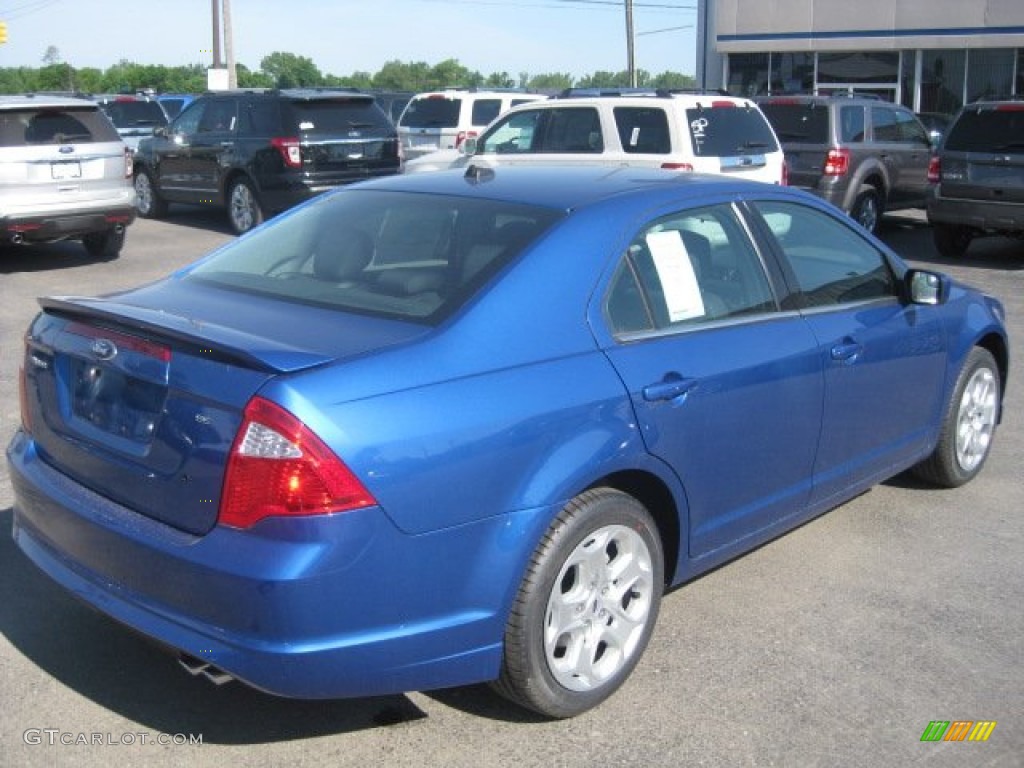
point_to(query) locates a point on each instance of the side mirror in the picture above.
(923, 287)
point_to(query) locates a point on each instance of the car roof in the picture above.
(19, 101)
(565, 187)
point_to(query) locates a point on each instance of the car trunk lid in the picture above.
(141, 404)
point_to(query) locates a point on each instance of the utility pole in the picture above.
(630, 58)
(216, 33)
(229, 46)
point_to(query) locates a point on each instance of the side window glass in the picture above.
(187, 122)
(573, 130)
(911, 131)
(687, 268)
(643, 129)
(851, 125)
(485, 110)
(261, 118)
(831, 262)
(883, 120)
(219, 117)
(514, 134)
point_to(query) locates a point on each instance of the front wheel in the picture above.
(244, 209)
(968, 425)
(586, 607)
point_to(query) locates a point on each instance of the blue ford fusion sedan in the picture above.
(441, 429)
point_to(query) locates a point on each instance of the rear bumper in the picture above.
(54, 225)
(322, 607)
(284, 192)
(984, 215)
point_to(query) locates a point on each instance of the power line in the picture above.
(27, 9)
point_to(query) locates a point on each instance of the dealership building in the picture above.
(931, 55)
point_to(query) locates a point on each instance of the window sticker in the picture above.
(306, 125)
(678, 279)
(634, 136)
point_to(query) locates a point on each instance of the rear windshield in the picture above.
(389, 254)
(989, 129)
(55, 126)
(798, 122)
(338, 116)
(132, 114)
(729, 131)
(432, 112)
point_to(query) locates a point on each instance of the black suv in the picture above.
(864, 155)
(978, 177)
(257, 153)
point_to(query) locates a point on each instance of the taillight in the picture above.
(934, 170)
(785, 173)
(461, 136)
(290, 151)
(129, 162)
(837, 162)
(677, 166)
(278, 466)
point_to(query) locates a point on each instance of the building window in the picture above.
(857, 67)
(942, 80)
(792, 72)
(989, 73)
(748, 73)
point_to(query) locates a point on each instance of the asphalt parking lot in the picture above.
(835, 645)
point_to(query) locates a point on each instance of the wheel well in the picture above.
(995, 344)
(655, 496)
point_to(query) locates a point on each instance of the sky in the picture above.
(576, 37)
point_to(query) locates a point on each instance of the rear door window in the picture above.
(988, 129)
(60, 125)
(338, 116)
(729, 131)
(432, 112)
(799, 123)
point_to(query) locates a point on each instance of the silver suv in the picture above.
(65, 174)
(863, 155)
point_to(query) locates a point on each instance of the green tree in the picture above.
(291, 71)
(557, 81)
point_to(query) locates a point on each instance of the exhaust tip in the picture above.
(199, 668)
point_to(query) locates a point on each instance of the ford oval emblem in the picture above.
(65, 149)
(104, 349)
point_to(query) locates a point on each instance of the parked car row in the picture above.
(256, 153)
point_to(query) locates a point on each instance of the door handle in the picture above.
(673, 388)
(847, 351)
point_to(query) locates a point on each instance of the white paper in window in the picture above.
(678, 280)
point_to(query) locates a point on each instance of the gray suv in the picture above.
(978, 177)
(863, 155)
(66, 174)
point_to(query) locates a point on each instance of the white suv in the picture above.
(699, 132)
(65, 174)
(444, 119)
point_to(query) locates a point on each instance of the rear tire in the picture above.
(104, 245)
(951, 240)
(586, 606)
(968, 425)
(244, 210)
(867, 209)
